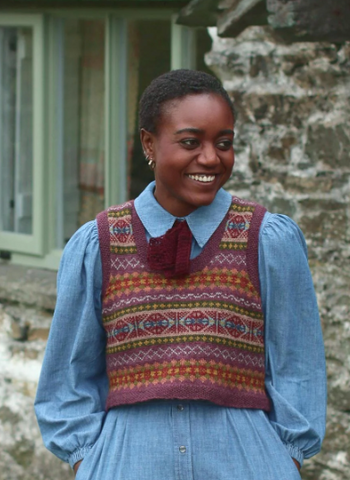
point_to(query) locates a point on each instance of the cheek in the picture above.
(165, 148)
(230, 161)
(167, 174)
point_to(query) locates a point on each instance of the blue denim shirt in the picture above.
(193, 439)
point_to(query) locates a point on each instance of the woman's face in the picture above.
(192, 151)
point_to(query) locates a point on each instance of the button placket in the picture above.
(182, 441)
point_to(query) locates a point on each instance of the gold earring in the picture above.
(151, 162)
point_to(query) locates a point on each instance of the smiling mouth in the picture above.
(202, 178)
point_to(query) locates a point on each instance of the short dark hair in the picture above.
(173, 85)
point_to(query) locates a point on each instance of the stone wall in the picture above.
(293, 155)
(27, 300)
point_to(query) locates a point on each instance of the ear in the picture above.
(147, 141)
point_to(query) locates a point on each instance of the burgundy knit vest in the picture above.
(198, 337)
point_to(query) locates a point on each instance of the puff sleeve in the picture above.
(73, 386)
(295, 360)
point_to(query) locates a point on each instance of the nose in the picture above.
(208, 156)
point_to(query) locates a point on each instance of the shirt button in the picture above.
(180, 408)
(182, 449)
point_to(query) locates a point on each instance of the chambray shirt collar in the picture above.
(202, 222)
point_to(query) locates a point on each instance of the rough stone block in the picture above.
(310, 20)
(318, 225)
(237, 15)
(28, 323)
(294, 20)
(28, 286)
(329, 143)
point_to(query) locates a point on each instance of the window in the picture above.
(21, 124)
(80, 110)
(69, 89)
(16, 90)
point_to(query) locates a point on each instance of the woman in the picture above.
(186, 342)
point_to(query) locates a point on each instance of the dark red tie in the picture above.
(170, 253)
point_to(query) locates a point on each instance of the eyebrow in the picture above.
(199, 130)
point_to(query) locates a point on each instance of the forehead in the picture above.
(195, 110)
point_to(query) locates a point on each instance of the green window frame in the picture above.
(38, 249)
(18, 242)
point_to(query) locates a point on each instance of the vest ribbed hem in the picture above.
(189, 391)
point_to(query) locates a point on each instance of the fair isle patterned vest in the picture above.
(199, 337)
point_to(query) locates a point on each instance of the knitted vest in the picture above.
(198, 337)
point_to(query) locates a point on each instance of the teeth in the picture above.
(203, 178)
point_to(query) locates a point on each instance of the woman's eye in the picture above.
(190, 142)
(224, 144)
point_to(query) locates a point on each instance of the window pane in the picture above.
(81, 146)
(16, 129)
(149, 56)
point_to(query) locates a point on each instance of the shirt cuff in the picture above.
(78, 455)
(294, 452)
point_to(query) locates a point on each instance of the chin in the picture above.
(203, 202)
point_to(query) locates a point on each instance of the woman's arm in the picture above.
(73, 384)
(295, 361)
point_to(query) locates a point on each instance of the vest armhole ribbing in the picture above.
(104, 240)
(253, 246)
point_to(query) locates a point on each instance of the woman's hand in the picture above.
(296, 464)
(76, 466)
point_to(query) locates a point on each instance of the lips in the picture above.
(202, 178)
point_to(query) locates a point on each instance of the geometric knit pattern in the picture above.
(200, 336)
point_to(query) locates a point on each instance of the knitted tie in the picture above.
(170, 253)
